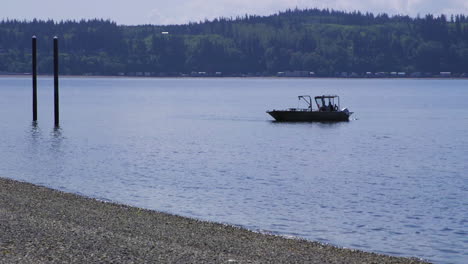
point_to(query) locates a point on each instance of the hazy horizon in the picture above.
(138, 12)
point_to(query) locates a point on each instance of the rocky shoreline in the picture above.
(41, 225)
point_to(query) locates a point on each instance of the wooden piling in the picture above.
(56, 82)
(34, 78)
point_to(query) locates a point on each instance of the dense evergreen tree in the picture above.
(323, 41)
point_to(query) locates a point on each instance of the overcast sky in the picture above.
(133, 12)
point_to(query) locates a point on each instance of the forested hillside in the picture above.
(322, 41)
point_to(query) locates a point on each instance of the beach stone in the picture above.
(41, 225)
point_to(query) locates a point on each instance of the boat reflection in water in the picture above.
(328, 110)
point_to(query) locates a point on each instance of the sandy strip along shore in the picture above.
(40, 225)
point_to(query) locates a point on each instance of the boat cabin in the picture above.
(328, 103)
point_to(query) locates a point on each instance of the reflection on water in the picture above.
(56, 140)
(34, 137)
(392, 182)
(57, 136)
(44, 155)
(35, 130)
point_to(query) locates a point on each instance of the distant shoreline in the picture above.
(229, 77)
(44, 225)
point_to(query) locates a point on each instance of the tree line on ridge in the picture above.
(325, 42)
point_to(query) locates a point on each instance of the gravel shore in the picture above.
(40, 225)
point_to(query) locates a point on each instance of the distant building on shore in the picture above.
(445, 74)
(295, 74)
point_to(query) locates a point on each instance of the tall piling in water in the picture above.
(56, 83)
(34, 78)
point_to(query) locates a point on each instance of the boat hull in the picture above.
(309, 116)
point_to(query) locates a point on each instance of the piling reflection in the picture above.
(57, 139)
(34, 135)
(35, 131)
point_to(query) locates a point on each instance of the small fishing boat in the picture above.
(328, 110)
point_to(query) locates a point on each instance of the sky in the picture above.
(162, 12)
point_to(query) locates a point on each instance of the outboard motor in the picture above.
(346, 111)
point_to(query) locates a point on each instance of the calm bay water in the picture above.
(393, 180)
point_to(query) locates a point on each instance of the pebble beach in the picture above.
(41, 225)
